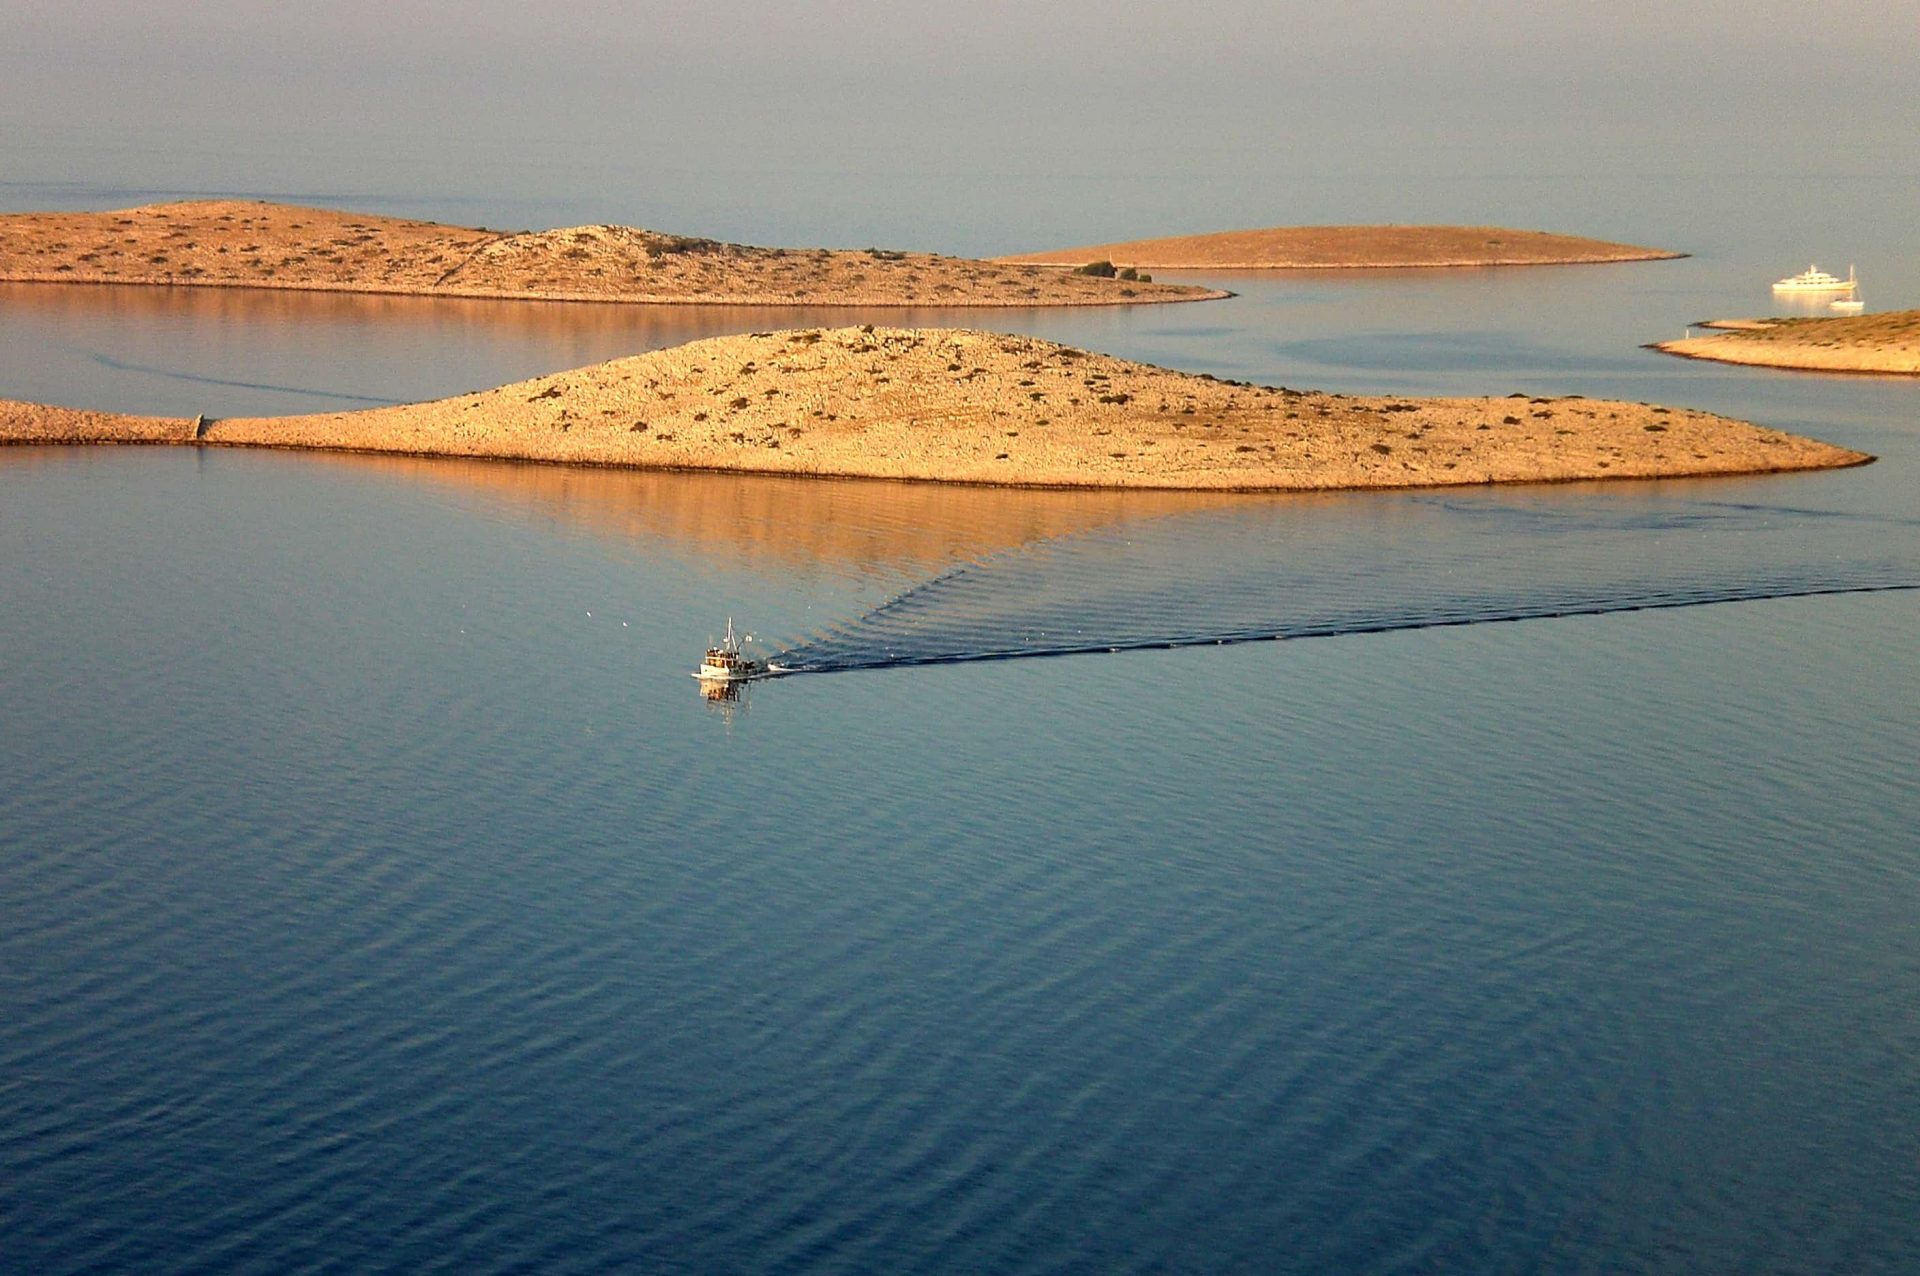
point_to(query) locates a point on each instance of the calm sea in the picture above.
(377, 891)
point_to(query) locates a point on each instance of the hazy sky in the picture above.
(732, 117)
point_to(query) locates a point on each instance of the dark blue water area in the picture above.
(1289, 570)
(380, 893)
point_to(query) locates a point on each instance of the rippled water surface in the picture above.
(1291, 570)
(379, 891)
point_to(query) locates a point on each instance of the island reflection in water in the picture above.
(867, 525)
(272, 352)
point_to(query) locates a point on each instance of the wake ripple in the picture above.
(121, 365)
(1301, 570)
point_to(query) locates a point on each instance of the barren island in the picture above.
(958, 405)
(1349, 248)
(1881, 343)
(243, 244)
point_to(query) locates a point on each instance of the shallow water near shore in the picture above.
(381, 893)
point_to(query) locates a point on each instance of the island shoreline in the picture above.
(294, 248)
(602, 299)
(1491, 264)
(1858, 460)
(1348, 247)
(1732, 356)
(955, 405)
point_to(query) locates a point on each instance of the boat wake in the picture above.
(175, 374)
(1300, 570)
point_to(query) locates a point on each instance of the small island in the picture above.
(1348, 248)
(1887, 343)
(956, 405)
(248, 244)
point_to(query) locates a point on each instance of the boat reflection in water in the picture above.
(725, 672)
(1804, 305)
(1813, 291)
(726, 698)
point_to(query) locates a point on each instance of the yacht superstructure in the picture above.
(1814, 279)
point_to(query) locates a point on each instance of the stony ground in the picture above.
(983, 407)
(1349, 247)
(1888, 342)
(250, 244)
(40, 423)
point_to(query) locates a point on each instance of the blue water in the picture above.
(1279, 571)
(380, 893)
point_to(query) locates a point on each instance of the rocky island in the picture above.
(1878, 343)
(1348, 248)
(245, 244)
(957, 405)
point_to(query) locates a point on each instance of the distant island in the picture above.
(1878, 343)
(252, 244)
(956, 405)
(1347, 248)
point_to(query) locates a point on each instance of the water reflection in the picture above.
(267, 352)
(1817, 305)
(1292, 569)
(727, 700)
(771, 521)
(518, 321)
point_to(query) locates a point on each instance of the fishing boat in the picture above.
(1814, 279)
(725, 662)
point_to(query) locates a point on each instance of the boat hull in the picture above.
(715, 673)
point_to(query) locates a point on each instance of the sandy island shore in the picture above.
(956, 405)
(242, 244)
(1880, 343)
(1349, 248)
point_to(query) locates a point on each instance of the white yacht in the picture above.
(1814, 279)
(1846, 305)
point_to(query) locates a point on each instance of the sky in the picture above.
(964, 125)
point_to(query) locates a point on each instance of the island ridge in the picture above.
(957, 405)
(1879, 343)
(238, 243)
(1348, 248)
